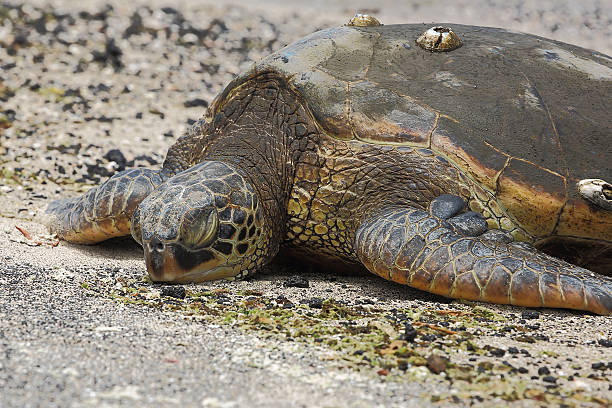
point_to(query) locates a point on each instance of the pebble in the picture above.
(115, 155)
(315, 303)
(543, 371)
(530, 314)
(605, 342)
(297, 281)
(177, 292)
(410, 332)
(599, 366)
(196, 102)
(111, 55)
(436, 364)
(429, 337)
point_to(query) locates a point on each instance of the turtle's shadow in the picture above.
(121, 248)
(359, 281)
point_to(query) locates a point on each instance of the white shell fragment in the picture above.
(597, 192)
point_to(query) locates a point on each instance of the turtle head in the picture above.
(204, 223)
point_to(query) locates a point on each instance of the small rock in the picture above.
(315, 303)
(116, 156)
(549, 379)
(197, 102)
(513, 350)
(599, 366)
(169, 10)
(523, 370)
(144, 157)
(94, 170)
(10, 114)
(410, 332)
(177, 292)
(530, 314)
(402, 365)
(605, 342)
(436, 364)
(497, 352)
(297, 282)
(110, 56)
(543, 371)
(429, 337)
(525, 339)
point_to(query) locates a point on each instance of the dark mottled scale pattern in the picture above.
(227, 231)
(226, 214)
(238, 216)
(242, 248)
(243, 233)
(238, 198)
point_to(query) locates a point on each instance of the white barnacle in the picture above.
(597, 192)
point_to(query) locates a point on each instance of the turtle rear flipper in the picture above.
(103, 212)
(416, 248)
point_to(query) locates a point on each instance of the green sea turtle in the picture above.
(464, 164)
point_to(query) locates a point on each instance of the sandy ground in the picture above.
(80, 326)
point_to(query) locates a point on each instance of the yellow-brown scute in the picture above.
(583, 220)
(483, 172)
(532, 197)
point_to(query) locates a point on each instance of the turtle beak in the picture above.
(160, 266)
(172, 263)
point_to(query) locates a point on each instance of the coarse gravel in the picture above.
(90, 88)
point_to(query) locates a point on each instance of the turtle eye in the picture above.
(199, 227)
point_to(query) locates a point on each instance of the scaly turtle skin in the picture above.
(355, 146)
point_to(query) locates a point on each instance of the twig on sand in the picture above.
(37, 242)
(24, 232)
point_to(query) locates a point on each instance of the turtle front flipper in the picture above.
(103, 212)
(438, 255)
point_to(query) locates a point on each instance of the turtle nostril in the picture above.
(157, 245)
